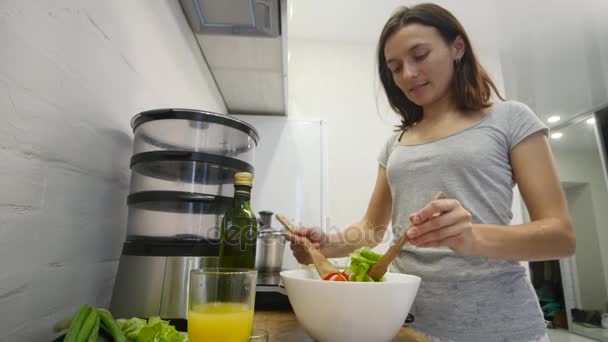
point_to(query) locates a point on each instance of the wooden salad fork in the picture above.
(378, 270)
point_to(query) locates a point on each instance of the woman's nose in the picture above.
(409, 72)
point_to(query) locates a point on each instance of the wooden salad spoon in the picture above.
(323, 266)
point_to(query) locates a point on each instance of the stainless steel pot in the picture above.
(269, 250)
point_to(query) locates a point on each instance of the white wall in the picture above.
(72, 74)
(335, 80)
(288, 172)
(585, 167)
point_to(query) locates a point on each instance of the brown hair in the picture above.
(471, 84)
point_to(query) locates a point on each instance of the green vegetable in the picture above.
(77, 323)
(95, 332)
(361, 260)
(97, 325)
(153, 330)
(87, 326)
(110, 324)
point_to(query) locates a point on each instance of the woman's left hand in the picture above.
(443, 222)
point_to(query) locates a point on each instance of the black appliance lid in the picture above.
(170, 246)
(188, 167)
(180, 202)
(194, 115)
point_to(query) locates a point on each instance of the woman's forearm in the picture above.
(543, 239)
(344, 242)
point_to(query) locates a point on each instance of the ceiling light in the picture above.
(557, 135)
(590, 121)
(553, 119)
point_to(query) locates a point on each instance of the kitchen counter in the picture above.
(283, 326)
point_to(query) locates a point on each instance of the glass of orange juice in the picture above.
(221, 303)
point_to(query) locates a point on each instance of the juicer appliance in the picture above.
(182, 172)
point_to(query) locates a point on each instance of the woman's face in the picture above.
(421, 62)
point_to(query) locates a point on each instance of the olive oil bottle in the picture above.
(239, 231)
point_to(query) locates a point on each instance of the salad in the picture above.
(361, 260)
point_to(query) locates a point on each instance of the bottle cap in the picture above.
(243, 178)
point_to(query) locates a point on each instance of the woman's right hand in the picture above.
(319, 240)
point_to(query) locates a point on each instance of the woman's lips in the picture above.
(418, 87)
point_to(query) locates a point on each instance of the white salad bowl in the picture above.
(332, 311)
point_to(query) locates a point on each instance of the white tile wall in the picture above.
(72, 74)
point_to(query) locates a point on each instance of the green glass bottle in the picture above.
(239, 231)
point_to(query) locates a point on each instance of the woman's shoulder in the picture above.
(391, 143)
(393, 137)
(511, 107)
(517, 120)
(507, 113)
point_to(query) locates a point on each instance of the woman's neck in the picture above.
(438, 110)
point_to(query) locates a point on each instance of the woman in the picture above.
(454, 139)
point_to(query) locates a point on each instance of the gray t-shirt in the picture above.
(465, 298)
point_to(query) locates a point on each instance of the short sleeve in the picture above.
(523, 123)
(388, 147)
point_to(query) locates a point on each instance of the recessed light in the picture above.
(553, 119)
(590, 121)
(557, 135)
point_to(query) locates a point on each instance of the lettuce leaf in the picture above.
(361, 260)
(131, 327)
(153, 330)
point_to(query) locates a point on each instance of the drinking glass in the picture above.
(221, 304)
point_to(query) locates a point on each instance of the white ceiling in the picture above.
(553, 53)
(360, 21)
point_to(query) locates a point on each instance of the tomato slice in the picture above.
(340, 277)
(329, 276)
(336, 276)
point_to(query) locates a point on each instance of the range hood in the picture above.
(243, 43)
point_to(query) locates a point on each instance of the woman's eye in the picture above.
(396, 70)
(421, 57)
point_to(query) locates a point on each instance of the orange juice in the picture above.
(220, 322)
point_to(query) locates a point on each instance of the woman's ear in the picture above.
(458, 48)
